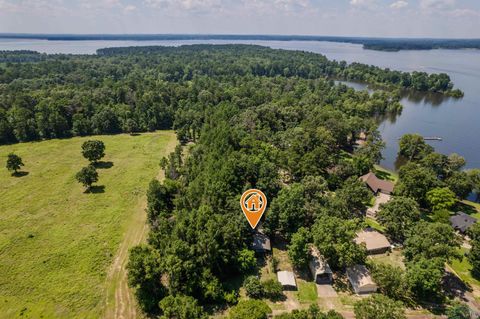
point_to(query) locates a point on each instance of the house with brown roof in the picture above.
(375, 242)
(377, 185)
(360, 279)
(321, 272)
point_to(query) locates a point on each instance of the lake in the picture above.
(455, 120)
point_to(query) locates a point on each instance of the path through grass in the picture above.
(56, 243)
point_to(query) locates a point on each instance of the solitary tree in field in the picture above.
(14, 162)
(93, 150)
(87, 176)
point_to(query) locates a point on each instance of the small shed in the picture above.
(462, 222)
(377, 185)
(360, 279)
(321, 272)
(375, 242)
(287, 280)
(261, 243)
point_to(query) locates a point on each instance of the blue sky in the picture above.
(409, 18)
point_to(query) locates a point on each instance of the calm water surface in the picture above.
(457, 121)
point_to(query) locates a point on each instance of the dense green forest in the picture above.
(247, 117)
(143, 89)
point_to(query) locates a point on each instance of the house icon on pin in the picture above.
(254, 202)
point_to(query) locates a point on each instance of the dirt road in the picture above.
(120, 301)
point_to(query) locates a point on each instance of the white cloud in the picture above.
(193, 5)
(285, 6)
(35, 7)
(463, 13)
(399, 4)
(101, 4)
(233, 7)
(129, 8)
(437, 4)
(7, 6)
(362, 3)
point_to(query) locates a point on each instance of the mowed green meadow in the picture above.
(57, 242)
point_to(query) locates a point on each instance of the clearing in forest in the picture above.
(56, 242)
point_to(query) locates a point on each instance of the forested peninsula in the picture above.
(146, 88)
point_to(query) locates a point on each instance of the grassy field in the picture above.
(56, 242)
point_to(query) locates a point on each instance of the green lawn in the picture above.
(56, 242)
(462, 269)
(307, 292)
(468, 207)
(385, 174)
(374, 224)
(393, 258)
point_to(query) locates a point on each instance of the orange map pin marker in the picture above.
(253, 203)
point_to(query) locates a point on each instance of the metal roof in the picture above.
(286, 278)
(462, 221)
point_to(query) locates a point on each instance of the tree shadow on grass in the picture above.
(467, 209)
(96, 189)
(103, 165)
(20, 174)
(384, 175)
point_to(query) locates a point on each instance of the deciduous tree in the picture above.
(424, 278)
(379, 307)
(441, 198)
(14, 163)
(415, 181)
(431, 240)
(93, 150)
(181, 307)
(298, 250)
(398, 216)
(413, 147)
(250, 309)
(391, 281)
(253, 287)
(87, 176)
(334, 236)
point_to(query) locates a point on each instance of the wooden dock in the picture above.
(430, 138)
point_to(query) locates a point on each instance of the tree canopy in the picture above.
(379, 307)
(14, 162)
(398, 215)
(148, 88)
(93, 150)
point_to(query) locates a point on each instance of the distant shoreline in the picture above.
(368, 43)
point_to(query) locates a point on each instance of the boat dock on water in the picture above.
(430, 138)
